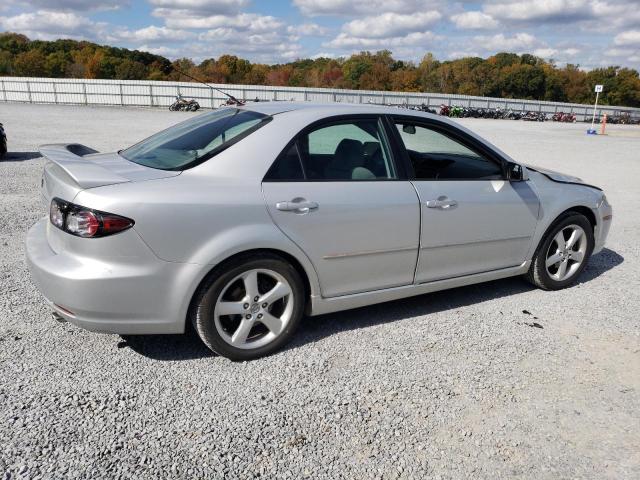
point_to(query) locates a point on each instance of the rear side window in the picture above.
(352, 150)
(194, 141)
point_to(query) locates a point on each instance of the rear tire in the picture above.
(563, 253)
(250, 307)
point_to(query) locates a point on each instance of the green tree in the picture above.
(30, 64)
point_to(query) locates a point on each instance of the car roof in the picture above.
(278, 107)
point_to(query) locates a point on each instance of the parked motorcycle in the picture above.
(534, 116)
(563, 117)
(183, 104)
(456, 111)
(444, 110)
(3, 142)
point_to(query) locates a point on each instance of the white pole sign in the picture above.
(598, 89)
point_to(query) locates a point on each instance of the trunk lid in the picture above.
(72, 168)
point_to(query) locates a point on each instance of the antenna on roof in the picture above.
(168, 68)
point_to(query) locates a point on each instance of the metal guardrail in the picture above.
(162, 94)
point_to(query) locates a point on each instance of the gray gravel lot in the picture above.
(455, 384)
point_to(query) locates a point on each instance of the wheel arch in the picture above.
(220, 266)
(581, 209)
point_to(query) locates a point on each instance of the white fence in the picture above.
(162, 94)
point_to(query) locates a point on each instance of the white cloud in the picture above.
(47, 25)
(351, 7)
(520, 42)
(541, 10)
(211, 7)
(557, 53)
(390, 24)
(153, 34)
(68, 5)
(474, 20)
(345, 41)
(323, 55)
(243, 21)
(307, 30)
(628, 38)
(161, 50)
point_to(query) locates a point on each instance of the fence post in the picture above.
(121, 95)
(84, 93)
(150, 95)
(29, 90)
(55, 92)
(4, 91)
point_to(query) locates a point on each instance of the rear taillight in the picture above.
(85, 222)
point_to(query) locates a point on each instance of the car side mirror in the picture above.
(410, 129)
(516, 172)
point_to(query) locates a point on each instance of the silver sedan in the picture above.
(240, 221)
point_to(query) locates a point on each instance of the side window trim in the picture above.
(448, 131)
(396, 162)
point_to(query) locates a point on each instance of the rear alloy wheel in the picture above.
(563, 254)
(250, 309)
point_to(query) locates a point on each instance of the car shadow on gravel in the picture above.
(315, 328)
(20, 156)
(189, 346)
(167, 347)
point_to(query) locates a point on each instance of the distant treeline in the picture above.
(505, 75)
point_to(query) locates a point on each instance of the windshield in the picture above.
(194, 141)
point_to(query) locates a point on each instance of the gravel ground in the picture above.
(498, 380)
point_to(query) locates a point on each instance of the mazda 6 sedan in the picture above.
(242, 220)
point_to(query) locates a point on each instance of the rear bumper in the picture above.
(134, 293)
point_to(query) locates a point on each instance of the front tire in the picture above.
(563, 253)
(250, 307)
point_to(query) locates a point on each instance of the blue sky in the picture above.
(591, 33)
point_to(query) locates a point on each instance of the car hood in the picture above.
(557, 176)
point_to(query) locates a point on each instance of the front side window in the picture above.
(350, 150)
(194, 141)
(436, 156)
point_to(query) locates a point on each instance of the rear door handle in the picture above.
(297, 205)
(443, 203)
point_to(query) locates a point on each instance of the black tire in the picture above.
(538, 274)
(202, 307)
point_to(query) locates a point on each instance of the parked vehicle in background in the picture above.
(445, 110)
(3, 142)
(563, 117)
(534, 116)
(183, 104)
(242, 219)
(456, 111)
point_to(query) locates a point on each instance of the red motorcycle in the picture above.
(563, 117)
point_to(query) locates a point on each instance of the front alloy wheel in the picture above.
(566, 252)
(249, 307)
(563, 252)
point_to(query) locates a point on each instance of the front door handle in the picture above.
(297, 205)
(443, 203)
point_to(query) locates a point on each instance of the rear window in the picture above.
(194, 141)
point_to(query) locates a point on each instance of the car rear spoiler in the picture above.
(70, 158)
